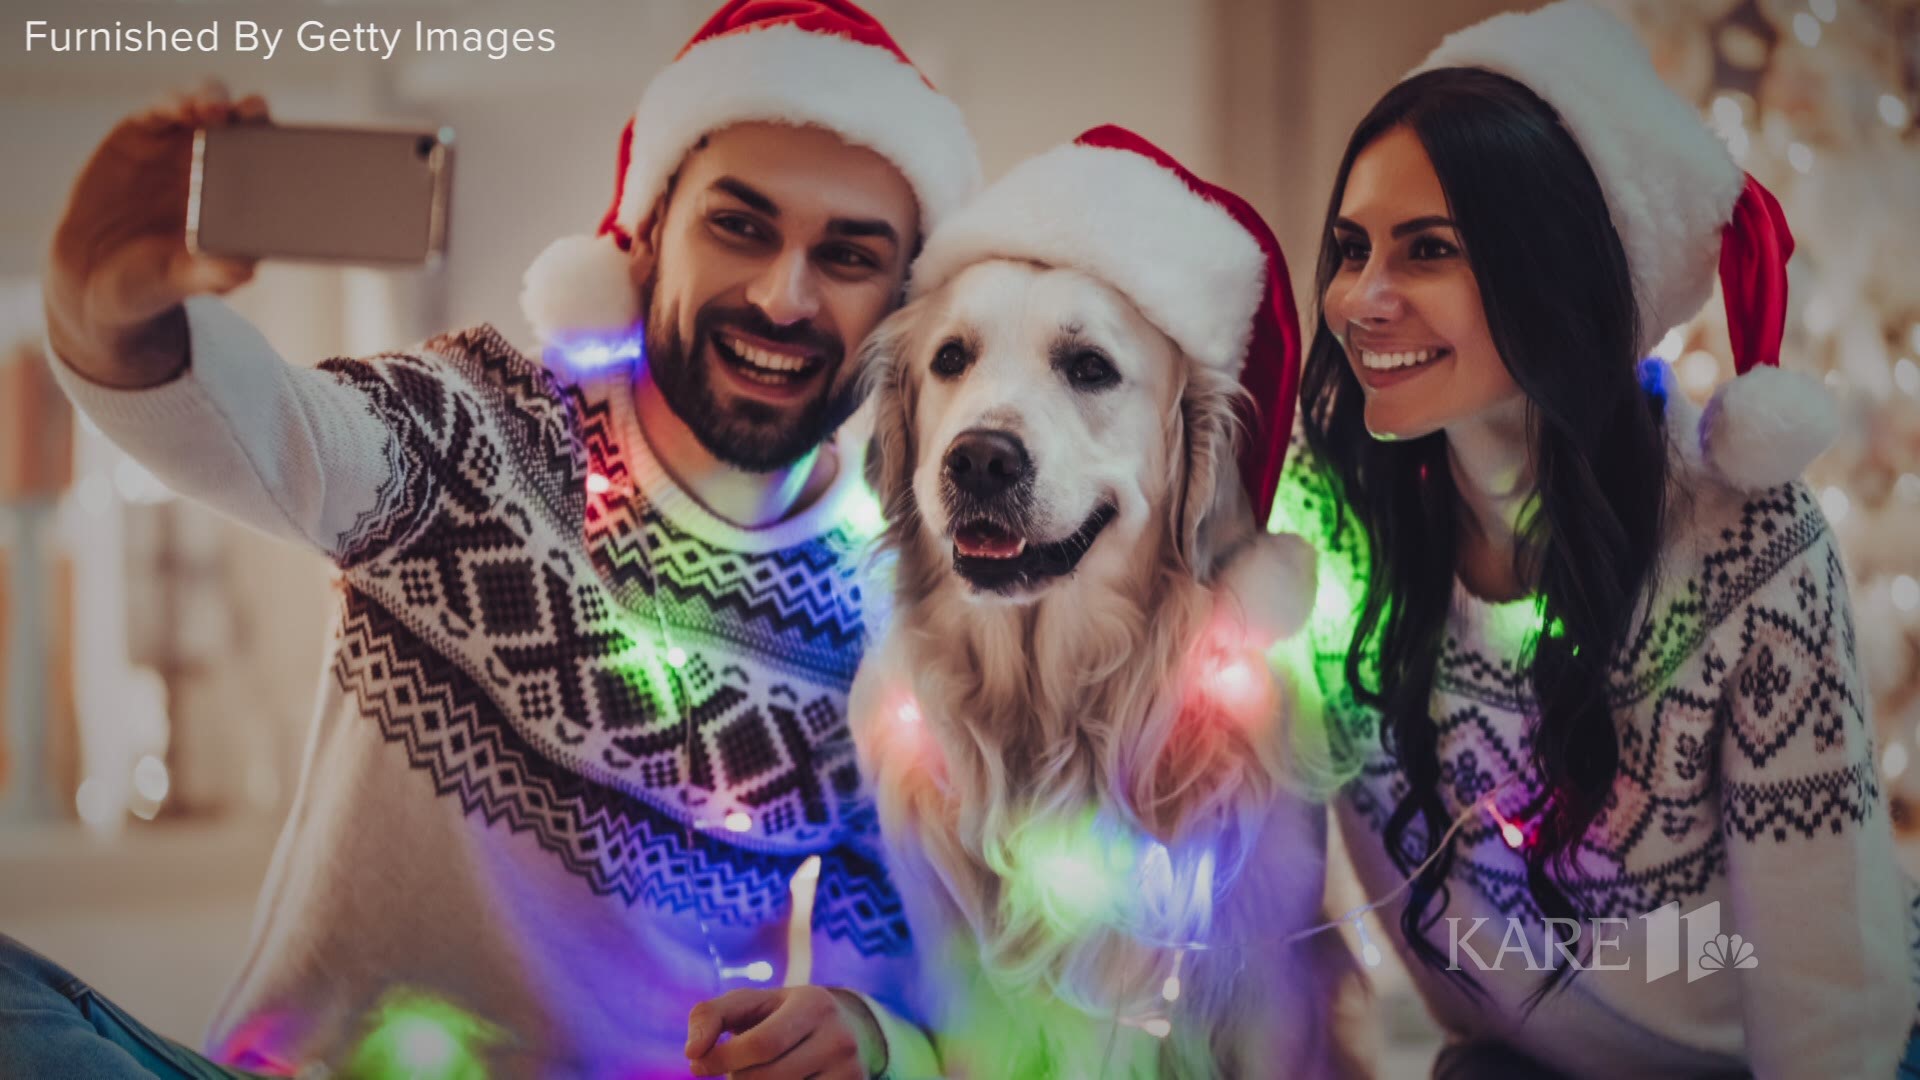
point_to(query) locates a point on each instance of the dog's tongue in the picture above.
(981, 540)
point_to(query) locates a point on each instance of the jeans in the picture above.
(55, 1027)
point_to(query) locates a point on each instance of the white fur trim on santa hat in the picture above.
(1765, 427)
(1189, 267)
(862, 93)
(579, 284)
(1669, 182)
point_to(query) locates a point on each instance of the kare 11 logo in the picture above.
(1703, 948)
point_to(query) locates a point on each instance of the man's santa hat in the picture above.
(824, 63)
(1683, 209)
(1194, 258)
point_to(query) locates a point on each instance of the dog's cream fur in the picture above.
(1079, 710)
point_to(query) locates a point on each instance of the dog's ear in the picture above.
(885, 368)
(1213, 513)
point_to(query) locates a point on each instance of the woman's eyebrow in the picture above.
(1431, 221)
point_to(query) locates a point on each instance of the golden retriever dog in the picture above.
(1078, 747)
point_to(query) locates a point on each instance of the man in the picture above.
(583, 731)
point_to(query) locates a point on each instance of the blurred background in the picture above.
(158, 664)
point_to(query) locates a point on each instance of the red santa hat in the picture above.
(820, 62)
(1684, 211)
(1195, 258)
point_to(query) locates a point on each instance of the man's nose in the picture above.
(787, 290)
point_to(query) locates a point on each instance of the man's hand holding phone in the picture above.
(119, 266)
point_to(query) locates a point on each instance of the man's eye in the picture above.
(950, 361)
(1089, 370)
(852, 258)
(739, 225)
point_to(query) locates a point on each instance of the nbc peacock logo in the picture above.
(1711, 950)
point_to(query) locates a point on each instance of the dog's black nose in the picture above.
(986, 463)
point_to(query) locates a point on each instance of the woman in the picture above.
(1597, 665)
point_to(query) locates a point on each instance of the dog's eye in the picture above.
(950, 361)
(1089, 370)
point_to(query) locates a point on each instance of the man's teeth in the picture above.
(1388, 361)
(765, 359)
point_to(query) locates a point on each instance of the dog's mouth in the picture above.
(993, 557)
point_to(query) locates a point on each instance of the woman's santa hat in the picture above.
(1196, 259)
(1683, 210)
(824, 63)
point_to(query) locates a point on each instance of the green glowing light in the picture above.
(417, 1037)
(1077, 873)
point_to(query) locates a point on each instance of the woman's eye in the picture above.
(1089, 369)
(950, 361)
(1351, 251)
(1432, 247)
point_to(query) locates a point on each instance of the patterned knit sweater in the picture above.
(576, 735)
(1747, 779)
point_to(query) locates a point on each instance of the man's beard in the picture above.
(748, 435)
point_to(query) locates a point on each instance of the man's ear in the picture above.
(1211, 512)
(644, 252)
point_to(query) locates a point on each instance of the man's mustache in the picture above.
(753, 321)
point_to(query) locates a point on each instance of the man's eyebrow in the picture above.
(863, 227)
(746, 193)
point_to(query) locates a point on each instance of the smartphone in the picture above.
(326, 194)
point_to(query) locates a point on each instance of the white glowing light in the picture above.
(1894, 762)
(1699, 370)
(597, 484)
(1170, 990)
(425, 1048)
(1371, 954)
(759, 971)
(1906, 592)
(1894, 112)
(1800, 156)
(1836, 504)
(738, 822)
(1158, 1027)
(95, 803)
(676, 657)
(909, 713)
(1906, 375)
(1512, 835)
(1727, 113)
(1807, 29)
(150, 779)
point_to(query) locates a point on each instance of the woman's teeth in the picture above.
(765, 359)
(1388, 361)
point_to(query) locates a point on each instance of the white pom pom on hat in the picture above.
(825, 63)
(1683, 210)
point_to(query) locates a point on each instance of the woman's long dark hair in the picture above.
(1559, 302)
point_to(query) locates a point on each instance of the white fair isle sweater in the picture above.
(1747, 779)
(502, 823)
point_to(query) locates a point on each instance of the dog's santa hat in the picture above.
(1195, 258)
(1682, 209)
(824, 63)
